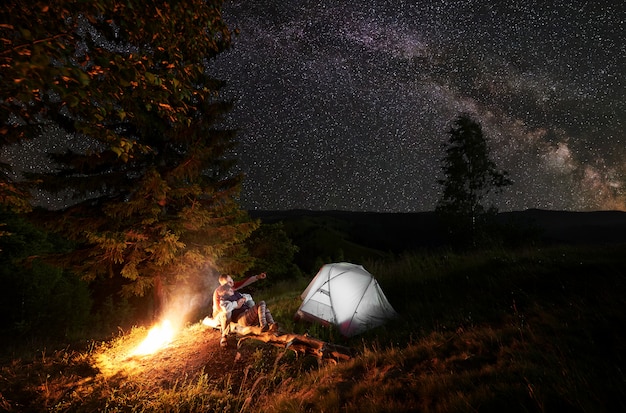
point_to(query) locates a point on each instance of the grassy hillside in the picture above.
(327, 236)
(529, 330)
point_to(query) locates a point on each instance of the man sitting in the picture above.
(223, 314)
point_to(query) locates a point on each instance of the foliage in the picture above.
(470, 176)
(154, 197)
(321, 240)
(37, 300)
(89, 66)
(273, 252)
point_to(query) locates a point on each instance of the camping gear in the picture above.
(348, 296)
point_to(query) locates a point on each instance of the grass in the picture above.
(529, 330)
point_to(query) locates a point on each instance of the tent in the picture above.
(346, 295)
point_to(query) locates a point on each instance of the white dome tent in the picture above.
(348, 296)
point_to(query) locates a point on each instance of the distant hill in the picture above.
(597, 227)
(382, 231)
(324, 232)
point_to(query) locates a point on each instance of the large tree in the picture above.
(154, 195)
(470, 176)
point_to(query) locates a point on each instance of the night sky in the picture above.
(346, 104)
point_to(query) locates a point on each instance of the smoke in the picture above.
(192, 299)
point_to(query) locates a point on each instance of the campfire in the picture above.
(158, 337)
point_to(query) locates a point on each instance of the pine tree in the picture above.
(155, 198)
(470, 176)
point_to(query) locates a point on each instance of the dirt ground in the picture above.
(110, 371)
(66, 377)
(195, 350)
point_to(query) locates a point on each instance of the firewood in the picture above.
(298, 343)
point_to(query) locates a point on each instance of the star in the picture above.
(346, 105)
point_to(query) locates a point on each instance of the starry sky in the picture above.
(346, 104)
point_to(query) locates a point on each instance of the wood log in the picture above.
(301, 344)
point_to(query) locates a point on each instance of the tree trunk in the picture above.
(159, 298)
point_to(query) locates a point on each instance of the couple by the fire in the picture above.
(229, 305)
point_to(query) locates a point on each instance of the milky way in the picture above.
(346, 104)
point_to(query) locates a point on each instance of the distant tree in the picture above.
(274, 252)
(470, 176)
(154, 195)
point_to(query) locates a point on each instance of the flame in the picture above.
(158, 337)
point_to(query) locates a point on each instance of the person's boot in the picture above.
(268, 316)
(262, 319)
